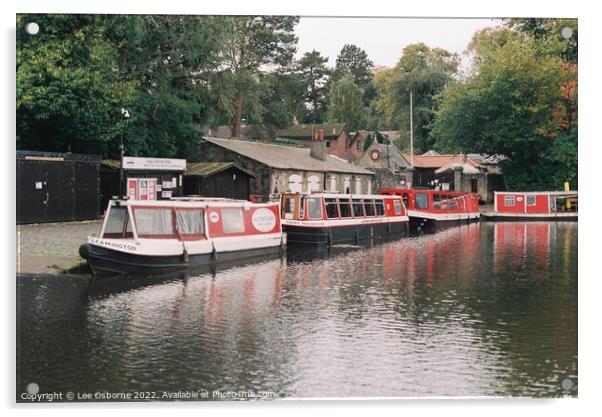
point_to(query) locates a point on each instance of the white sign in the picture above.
(263, 220)
(166, 194)
(214, 217)
(155, 164)
(166, 184)
(38, 185)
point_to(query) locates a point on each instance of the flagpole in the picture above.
(411, 133)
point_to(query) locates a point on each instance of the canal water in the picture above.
(485, 309)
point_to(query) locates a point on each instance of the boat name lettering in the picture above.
(110, 244)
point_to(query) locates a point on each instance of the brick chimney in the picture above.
(317, 147)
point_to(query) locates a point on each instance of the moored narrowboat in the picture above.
(534, 205)
(329, 218)
(172, 235)
(432, 209)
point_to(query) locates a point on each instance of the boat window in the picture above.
(154, 222)
(397, 206)
(452, 204)
(509, 200)
(302, 207)
(421, 201)
(380, 208)
(345, 207)
(116, 222)
(358, 209)
(233, 220)
(190, 222)
(288, 207)
(369, 207)
(530, 200)
(314, 207)
(405, 198)
(331, 208)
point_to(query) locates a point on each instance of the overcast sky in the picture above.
(384, 38)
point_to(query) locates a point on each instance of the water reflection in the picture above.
(485, 309)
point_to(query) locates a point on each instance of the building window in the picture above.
(331, 208)
(509, 201)
(327, 143)
(359, 145)
(314, 208)
(530, 200)
(233, 220)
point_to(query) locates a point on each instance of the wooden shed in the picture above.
(217, 179)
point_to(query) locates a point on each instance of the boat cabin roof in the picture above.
(188, 203)
(337, 195)
(558, 193)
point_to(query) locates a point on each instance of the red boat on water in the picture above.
(536, 205)
(432, 209)
(329, 218)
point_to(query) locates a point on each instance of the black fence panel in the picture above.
(53, 187)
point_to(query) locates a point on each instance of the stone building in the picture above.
(279, 168)
(460, 172)
(387, 163)
(336, 137)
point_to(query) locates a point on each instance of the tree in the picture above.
(345, 103)
(253, 43)
(68, 96)
(507, 107)
(312, 68)
(353, 61)
(175, 61)
(422, 71)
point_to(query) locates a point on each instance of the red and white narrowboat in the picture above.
(430, 209)
(537, 205)
(328, 219)
(171, 235)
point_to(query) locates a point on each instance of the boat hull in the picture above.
(559, 217)
(104, 261)
(432, 224)
(332, 235)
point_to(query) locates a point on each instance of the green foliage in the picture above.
(68, 95)
(345, 103)
(313, 71)
(252, 43)
(422, 71)
(507, 106)
(353, 61)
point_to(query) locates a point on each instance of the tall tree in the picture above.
(507, 107)
(68, 97)
(314, 71)
(354, 61)
(345, 103)
(252, 44)
(175, 61)
(424, 72)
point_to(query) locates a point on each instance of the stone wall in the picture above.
(384, 178)
(267, 179)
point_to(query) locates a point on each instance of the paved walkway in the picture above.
(52, 247)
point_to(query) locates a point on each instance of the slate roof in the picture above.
(304, 131)
(205, 169)
(286, 157)
(438, 161)
(392, 152)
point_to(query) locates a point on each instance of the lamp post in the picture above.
(125, 115)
